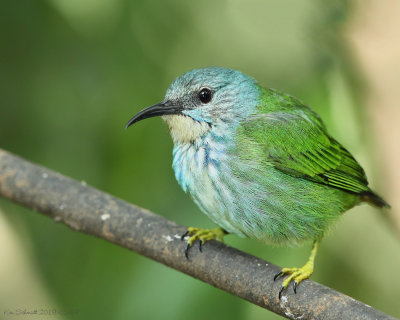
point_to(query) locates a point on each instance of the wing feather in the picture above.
(297, 143)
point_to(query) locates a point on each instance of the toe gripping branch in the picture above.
(189, 245)
(283, 287)
(202, 235)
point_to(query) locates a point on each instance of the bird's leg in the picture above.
(202, 235)
(298, 274)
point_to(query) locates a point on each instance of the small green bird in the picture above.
(257, 162)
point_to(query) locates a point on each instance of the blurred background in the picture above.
(73, 72)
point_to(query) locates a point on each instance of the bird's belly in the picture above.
(259, 202)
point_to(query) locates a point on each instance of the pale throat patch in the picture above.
(184, 129)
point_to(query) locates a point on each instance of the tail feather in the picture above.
(374, 199)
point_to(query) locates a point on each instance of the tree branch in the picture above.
(91, 211)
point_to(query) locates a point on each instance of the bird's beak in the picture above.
(159, 109)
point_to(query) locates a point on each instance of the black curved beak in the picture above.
(159, 109)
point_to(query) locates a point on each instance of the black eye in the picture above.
(205, 95)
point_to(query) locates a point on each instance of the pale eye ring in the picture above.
(205, 95)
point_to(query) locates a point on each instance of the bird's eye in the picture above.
(205, 95)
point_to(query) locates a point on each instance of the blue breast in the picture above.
(202, 170)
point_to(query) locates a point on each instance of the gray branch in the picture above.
(91, 211)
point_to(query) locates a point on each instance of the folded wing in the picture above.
(296, 143)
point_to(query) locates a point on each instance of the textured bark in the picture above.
(91, 211)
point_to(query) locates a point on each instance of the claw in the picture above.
(187, 251)
(295, 286)
(184, 235)
(280, 273)
(280, 292)
(201, 246)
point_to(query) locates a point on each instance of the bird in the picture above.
(258, 162)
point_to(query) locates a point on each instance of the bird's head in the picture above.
(202, 99)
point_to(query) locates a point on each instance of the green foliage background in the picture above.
(73, 72)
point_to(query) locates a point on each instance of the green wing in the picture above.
(295, 141)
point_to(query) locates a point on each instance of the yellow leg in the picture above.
(298, 274)
(202, 235)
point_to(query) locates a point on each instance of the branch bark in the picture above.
(91, 211)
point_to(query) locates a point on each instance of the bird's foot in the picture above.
(202, 235)
(296, 275)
